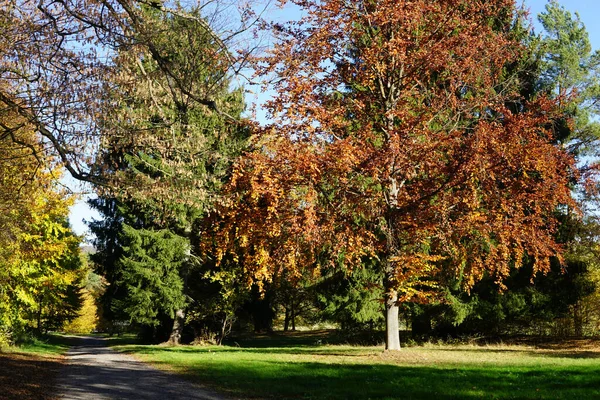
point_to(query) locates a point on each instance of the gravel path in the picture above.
(94, 371)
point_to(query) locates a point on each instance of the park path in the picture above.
(94, 371)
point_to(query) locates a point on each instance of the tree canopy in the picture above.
(392, 140)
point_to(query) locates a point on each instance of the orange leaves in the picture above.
(393, 141)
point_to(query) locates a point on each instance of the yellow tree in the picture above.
(39, 274)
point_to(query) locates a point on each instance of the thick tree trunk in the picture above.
(392, 323)
(293, 317)
(175, 338)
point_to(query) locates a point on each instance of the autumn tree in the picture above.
(61, 60)
(392, 140)
(40, 272)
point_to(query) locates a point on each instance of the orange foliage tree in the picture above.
(392, 139)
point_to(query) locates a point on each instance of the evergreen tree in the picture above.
(176, 149)
(151, 274)
(353, 298)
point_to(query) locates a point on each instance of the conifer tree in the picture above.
(177, 149)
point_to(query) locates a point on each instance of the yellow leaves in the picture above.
(415, 276)
(38, 252)
(86, 319)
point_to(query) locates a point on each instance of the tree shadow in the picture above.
(350, 351)
(312, 380)
(25, 376)
(296, 350)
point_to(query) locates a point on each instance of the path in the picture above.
(95, 372)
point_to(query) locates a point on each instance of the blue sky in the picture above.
(589, 11)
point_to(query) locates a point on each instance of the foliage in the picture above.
(87, 317)
(150, 270)
(570, 68)
(392, 141)
(176, 151)
(559, 63)
(39, 255)
(354, 299)
(59, 70)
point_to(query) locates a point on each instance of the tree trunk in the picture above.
(286, 322)
(392, 324)
(175, 338)
(39, 318)
(293, 317)
(225, 328)
(577, 320)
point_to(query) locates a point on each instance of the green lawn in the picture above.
(51, 344)
(349, 372)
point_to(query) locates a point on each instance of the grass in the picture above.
(303, 370)
(48, 345)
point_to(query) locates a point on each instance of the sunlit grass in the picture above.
(353, 372)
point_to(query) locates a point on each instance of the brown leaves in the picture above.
(392, 140)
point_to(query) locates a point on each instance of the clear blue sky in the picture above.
(589, 11)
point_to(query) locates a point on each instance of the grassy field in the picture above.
(286, 368)
(30, 370)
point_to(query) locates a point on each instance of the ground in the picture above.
(31, 372)
(283, 367)
(94, 371)
(308, 366)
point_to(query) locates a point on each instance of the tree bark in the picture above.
(175, 338)
(39, 317)
(577, 320)
(392, 323)
(286, 322)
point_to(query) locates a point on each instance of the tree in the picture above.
(87, 318)
(353, 299)
(422, 167)
(58, 69)
(39, 254)
(558, 63)
(150, 270)
(569, 68)
(176, 187)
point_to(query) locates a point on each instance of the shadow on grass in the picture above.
(278, 373)
(25, 376)
(273, 378)
(60, 340)
(292, 351)
(309, 338)
(128, 339)
(349, 351)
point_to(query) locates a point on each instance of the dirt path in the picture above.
(93, 372)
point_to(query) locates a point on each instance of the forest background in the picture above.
(150, 272)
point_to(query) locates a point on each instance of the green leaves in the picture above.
(150, 273)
